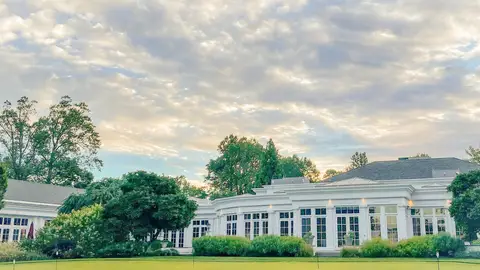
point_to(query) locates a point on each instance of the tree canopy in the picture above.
(474, 154)
(244, 164)
(149, 203)
(465, 206)
(58, 148)
(331, 172)
(358, 160)
(3, 183)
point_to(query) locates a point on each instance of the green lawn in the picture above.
(186, 263)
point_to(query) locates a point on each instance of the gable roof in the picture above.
(415, 168)
(38, 193)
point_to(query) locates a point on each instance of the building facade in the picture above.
(393, 200)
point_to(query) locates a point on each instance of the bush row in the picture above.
(415, 247)
(11, 251)
(262, 246)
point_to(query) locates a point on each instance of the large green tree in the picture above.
(3, 183)
(237, 169)
(149, 203)
(17, 130)
(331, 172)
(295, 166)
(269, 164)
(358, 160)
(67, 144)
(474, 154)
(189, 189)
(99, 192)
(465, 206)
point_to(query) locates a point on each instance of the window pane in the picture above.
(321, 232)
(392, 229)
(375, 226)
(427, 211)
(417, 227)
(428, 226)
(390, 209)
(441, 225)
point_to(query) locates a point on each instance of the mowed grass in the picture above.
(247, 264)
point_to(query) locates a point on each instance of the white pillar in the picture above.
(363, 223)
(435, 225)
(402, 226)
(383, 223)
(331, 228)
(271, 222)
(188, 236)
(277, 224)
(297, 223)
(313, 224)
(240, 224)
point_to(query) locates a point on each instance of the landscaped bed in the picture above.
(220, 263)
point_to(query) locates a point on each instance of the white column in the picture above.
(409, 223)
(402, 226)
(313, 224)
(331, 228)
(435, 225)
(271, 222)
(422, 225)
(383, 223)
(363, 223)
(297, 223)
(277, 224)
(240, 224)
(188, 236)
(223, 225)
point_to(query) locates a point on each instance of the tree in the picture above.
(295, 166)
(465, 206)
(189, 189)
(421, 155)
(16, 136)
(99, 192)
(237, 168)
(3, 183)
(474, 154)
(84, 229)
(67, 143)
(331, 172)
(269, 161)
(358, 160)
(149, 204)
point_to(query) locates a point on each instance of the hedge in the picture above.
(415, 247)
(261, 246)
(11, 251)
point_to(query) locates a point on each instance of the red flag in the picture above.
(30, 232)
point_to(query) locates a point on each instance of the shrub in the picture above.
(468, 254)
(11, 251)
(294, 247)
(122, 250)
(163, 252)
(265, 246)
(447, 245)
(377, 248)
(221, 246)
(157, 244)
(417, 247)
(350, 252)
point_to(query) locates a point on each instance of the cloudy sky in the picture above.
(166, 80)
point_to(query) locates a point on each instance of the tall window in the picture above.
(441, 225)
(181, 238)
(173, 239)
(320, 214)
(392, 228)
(200, 228)
(16, 235)
(306, 220)
(286, 223)
(428, 226)
(23, 233)
(417, 226)
(5, 235)
(232, 225)
(248, 228)
(375, 223)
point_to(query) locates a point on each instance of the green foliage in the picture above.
(295, 166)
(350, 252)
(191, 190)
(468, 254)
(416, 247)
(11, 251)
(265, 246)
(148, 204)
(331, 172)
(80, 234)
(58, 148)
(3, 183)
(291, 246)
(358, 160)
(465, 207)
(221, 246)
(377, 248)
(163, 252)
(96, 193)
(447, 245)
(270, 164)
(122, 250)
(474, 154)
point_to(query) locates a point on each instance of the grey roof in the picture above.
(414, 168)
(290, 180)
(38, 193)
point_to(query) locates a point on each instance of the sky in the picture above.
(167, 80)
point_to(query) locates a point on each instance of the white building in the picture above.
(393, 200)
(389, 199)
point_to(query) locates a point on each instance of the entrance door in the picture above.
(350, 222)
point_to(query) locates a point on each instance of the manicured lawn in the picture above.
(186, 263)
